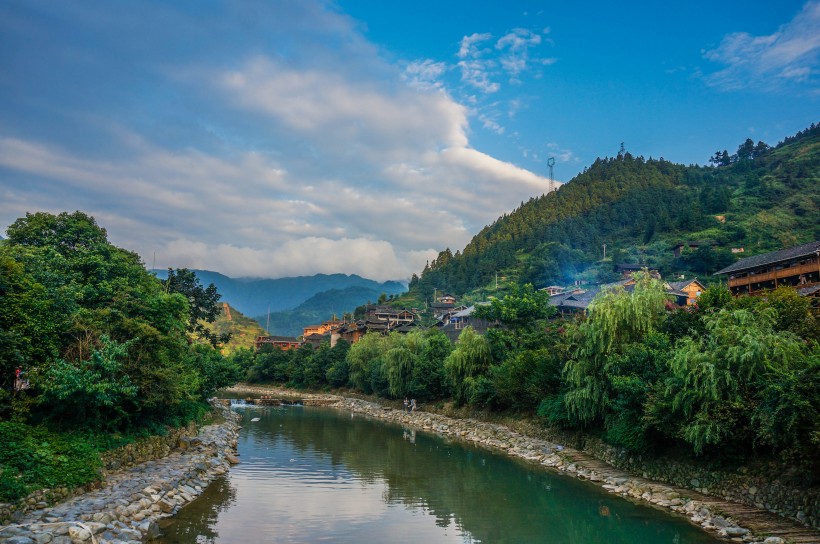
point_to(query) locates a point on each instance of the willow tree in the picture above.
(469, 360)
(617, 319)
(400, 360)
(723, 385)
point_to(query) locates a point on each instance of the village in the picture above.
(797, 267)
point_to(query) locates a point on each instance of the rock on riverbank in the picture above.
(127, 507)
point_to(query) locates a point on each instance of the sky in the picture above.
(282, 138)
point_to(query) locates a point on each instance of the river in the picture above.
(325, 475)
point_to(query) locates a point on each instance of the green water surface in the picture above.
(322, 475)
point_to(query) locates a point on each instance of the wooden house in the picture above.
(321, 329)
(690, 288)
(797, 266)
(278, 342)
(462, 319)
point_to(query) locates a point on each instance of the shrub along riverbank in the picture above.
(729, 383)
(94, 351)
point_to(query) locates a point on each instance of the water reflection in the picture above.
(312, 475)
(199, 522)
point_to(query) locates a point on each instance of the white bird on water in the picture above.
(255, 419)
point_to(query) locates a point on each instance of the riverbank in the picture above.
(129, 503)
(730, 520)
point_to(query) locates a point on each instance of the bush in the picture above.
(34, 457)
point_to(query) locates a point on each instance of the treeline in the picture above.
(93, 349)
(730, 379)
(763, 197)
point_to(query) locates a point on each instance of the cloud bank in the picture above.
(282, 154)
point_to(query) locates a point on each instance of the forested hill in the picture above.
(760, 199)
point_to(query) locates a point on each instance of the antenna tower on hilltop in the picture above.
(551, 164)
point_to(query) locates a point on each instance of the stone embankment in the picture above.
(729, 520)
(127, 507)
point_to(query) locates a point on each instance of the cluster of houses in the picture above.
(798, 267)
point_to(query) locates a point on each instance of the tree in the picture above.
(616, 320)
(202, 303)
(96, 392)
(745, 151)
(521, 307)
(717, 378)
(470, 359)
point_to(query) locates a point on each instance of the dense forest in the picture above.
(760, 199)
(94, 350)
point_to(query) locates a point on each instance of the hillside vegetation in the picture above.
(240, 329)
(760, 199)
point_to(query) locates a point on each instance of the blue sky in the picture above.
(286, 138)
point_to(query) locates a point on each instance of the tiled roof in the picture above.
(806, 291)
(679, 285)
(804, 250)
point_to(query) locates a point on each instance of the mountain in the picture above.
(253, 296)
(318, 308)
(631, 210)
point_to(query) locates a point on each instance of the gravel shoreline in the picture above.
(127, 507)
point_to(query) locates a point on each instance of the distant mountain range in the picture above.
(288, 299)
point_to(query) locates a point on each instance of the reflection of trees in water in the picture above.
(197, 525)
(487, 495)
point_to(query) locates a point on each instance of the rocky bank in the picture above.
(729, 520)
(127, 507)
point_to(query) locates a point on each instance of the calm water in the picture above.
(320, 475)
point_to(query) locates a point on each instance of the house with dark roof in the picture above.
(381, 319)
(690, 289)
(577, 301)
(463, 319)
(315, 339)
(797, 266)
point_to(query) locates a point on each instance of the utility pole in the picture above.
(604, 251)
(551, 164)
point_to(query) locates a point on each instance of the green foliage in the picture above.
(95, 392)
(104, 345)
(202, 303)
(617, 320)
(717, 379)
(714, 298)
(521, 307)
(34, 457)
(466, 363)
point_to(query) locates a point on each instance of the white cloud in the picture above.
(424, 74)
(469, 45)
(788, 56)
